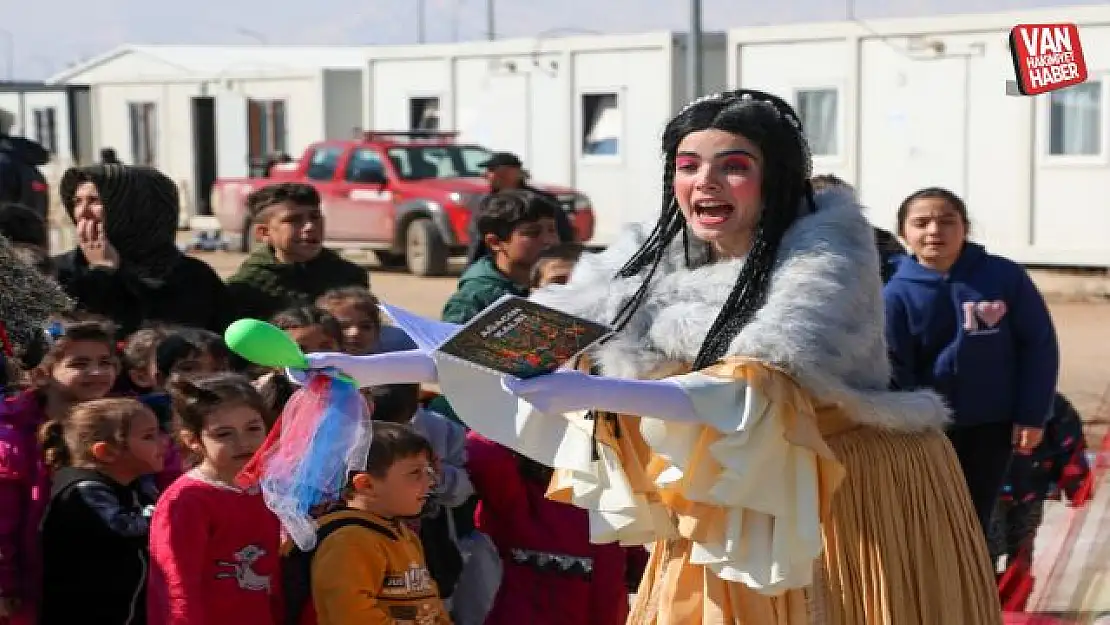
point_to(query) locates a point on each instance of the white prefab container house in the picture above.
(56, 116)
(585, 112)
(896, 105)
(201, 112)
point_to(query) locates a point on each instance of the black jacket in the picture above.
(20, 179)
(477, 250)
(192, 294)
(95, 551)
(889, 251)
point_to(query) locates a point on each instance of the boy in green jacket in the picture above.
(516, 227)
(292, 267)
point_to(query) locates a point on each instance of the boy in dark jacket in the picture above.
(292, 267)
(516, 226)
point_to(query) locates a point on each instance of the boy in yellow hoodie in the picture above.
(373, 572)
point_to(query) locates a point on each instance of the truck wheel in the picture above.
(425, 252)
(390, 260)
(245, 236)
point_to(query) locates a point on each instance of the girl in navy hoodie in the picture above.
(973, 327)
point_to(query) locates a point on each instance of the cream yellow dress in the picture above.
(772, 510)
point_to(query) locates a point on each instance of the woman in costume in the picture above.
(741, 423)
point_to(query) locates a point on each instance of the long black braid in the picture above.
(772, 124)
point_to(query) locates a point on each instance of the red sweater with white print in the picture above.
(214, 556)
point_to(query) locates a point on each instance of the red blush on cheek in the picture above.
(745, 189)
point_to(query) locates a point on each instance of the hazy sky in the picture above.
(48, 35)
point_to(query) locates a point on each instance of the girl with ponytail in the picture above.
(739, 419)
(78, 364)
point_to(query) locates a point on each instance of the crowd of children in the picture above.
(119, 502)
(119, 453)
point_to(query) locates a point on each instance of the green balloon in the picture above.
(264, 344)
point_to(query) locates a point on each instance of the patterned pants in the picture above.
(1013, 531)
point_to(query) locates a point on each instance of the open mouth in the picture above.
(712, 213)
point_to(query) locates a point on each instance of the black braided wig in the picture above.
(770, 123)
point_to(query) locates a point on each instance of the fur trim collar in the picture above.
(823, 319)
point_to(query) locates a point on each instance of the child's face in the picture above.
(313, 339)
(360, 330)
(404, 489)
(526, 242)
(934, 230)
(555, 271)
(86, 371)
(230, 437)
(145, 450)
(295, 232)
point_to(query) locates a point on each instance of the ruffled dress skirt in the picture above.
(765, 509)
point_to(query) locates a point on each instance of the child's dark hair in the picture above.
(821, 182)
(392, 442)
(21, 224)
(68, 442)
(360, 297)
(62, 332)
(194, 399)
(306, 317)
(209, 343)
(501, 212)
(275, 392)
(139, 348)
(567, 252)
(271, 195)
(937, 193)
(396, 403)
(175, 347)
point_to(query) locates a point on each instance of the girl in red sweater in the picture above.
(214, 547)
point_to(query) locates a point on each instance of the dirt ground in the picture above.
(1083, 327)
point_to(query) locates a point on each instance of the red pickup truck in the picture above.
(406, 196)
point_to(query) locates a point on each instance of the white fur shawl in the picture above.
(822, 321)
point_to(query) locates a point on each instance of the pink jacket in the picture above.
(522, 522)
(24, 493)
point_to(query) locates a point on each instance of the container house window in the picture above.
(424, 114)
(1075, 120)
(820, 116)
(267, 130)
(601, 124)
(46, 130)
(144, 133)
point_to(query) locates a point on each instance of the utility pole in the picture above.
(693, 52)
(491, 30)
(9, 53)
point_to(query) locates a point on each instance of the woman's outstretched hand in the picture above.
(567, 390)
(558, 392)
(408, 367)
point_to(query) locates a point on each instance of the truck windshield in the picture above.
(421, 162)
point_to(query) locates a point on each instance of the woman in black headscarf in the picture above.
(126, 265)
